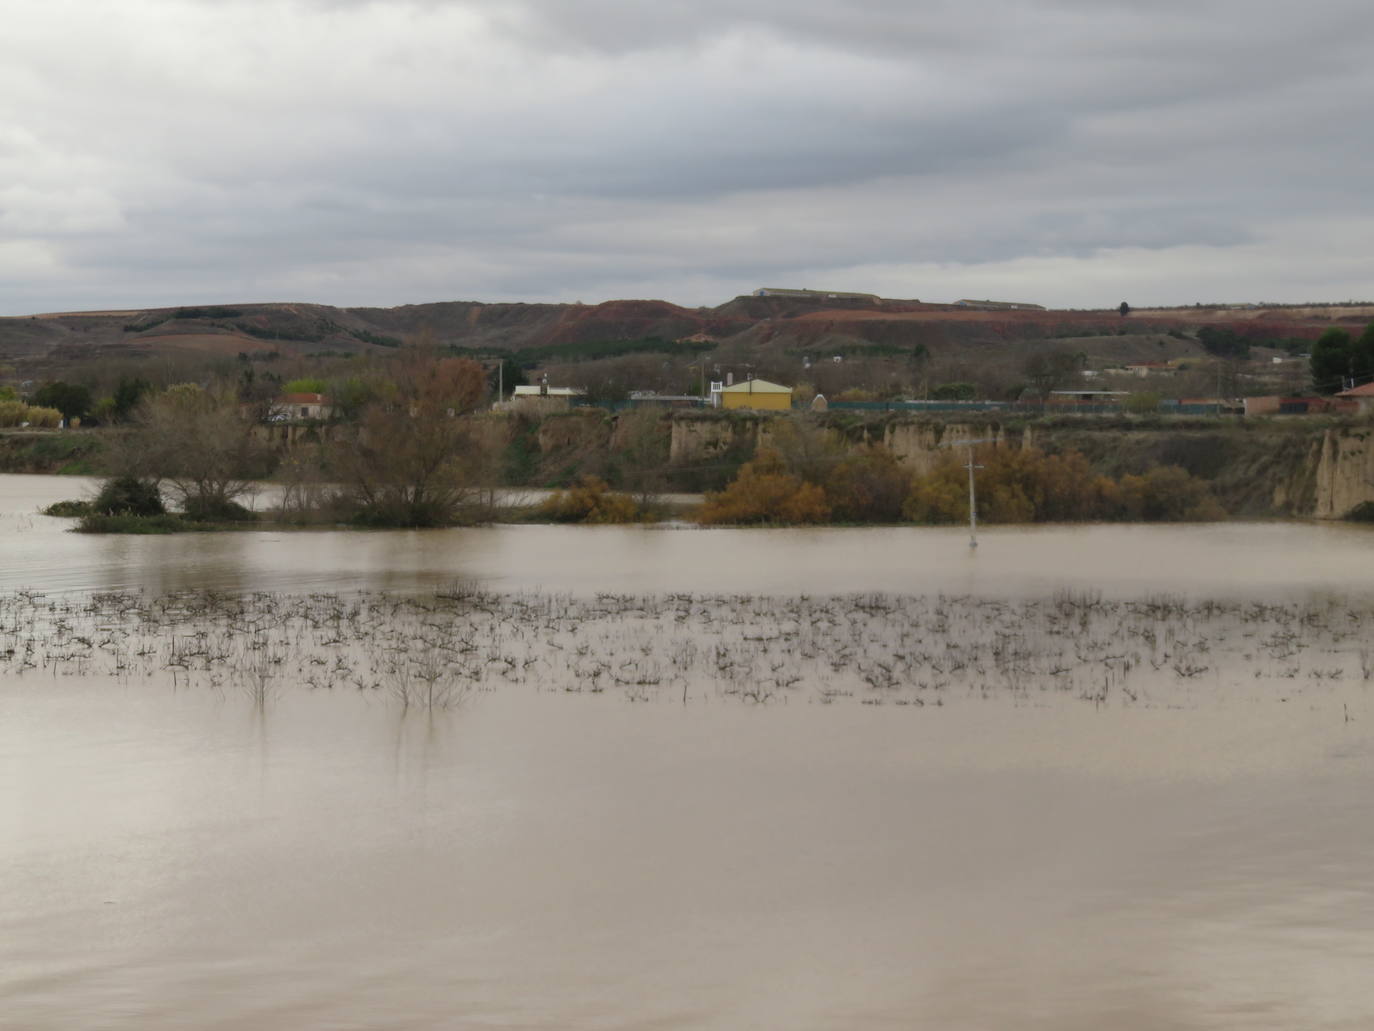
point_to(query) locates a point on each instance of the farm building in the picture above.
(814, 295)
(752, 393)
(999, 305)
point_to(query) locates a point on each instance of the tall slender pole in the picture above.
(972, 494)
(972, 504)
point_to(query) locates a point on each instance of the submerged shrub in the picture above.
(128, 495)
(1027, 486)
(1168, 494)
(869, 486)
(591, 501)
(216, 510)
(68, 508)
(125, 523)
(764, 492)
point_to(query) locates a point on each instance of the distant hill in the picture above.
(36, 346)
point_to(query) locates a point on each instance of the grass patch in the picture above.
(96, 523)
(167, 522)
(63, 453)
(68, 509)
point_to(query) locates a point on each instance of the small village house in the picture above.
(542, 397)
(1363, 396)
(1143, 369)
(300, 408)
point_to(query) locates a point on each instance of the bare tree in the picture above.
(807, 449)
(640, 445)
(410, 460)
(1047, 371)
(199, 441)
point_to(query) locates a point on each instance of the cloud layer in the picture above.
(1072, 152)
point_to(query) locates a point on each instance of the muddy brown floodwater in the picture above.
(1091, 777)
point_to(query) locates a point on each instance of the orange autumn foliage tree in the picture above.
(591, 501)
(1028, 486)
(868, 486)
(765, 492)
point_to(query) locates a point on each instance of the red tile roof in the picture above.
(1367, 390)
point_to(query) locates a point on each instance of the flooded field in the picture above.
(546, 777)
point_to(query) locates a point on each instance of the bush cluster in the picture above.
(216, 510)
(68, 509)
(765, 492)
(1028, 486)
(17, 413)
(591, 501)
(128, 495)
(94, 523)
(1013, 486)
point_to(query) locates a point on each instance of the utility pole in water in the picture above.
(972, 495)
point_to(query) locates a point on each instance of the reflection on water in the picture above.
(549, 860)
(1249, 559)
(178, 854)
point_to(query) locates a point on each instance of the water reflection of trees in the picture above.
(434, 652)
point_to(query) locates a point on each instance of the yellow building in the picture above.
(756, 393)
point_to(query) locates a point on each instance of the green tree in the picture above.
(1143, 402)
(1362, 356)
(72, 400)
(1223, 342)
(304, 385)
(128, 495)
(507, 375)
(127, 396)
(1332, 360)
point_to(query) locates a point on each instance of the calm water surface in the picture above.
(1254, 559)
(178, 857)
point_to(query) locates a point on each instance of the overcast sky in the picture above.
(1070, 152)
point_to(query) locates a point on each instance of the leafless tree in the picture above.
(198, 441)
(410, 460)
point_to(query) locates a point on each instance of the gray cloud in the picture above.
(160, 151)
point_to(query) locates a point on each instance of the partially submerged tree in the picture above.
(868, 486)
(590, 501)
(806, 447)
(201, 443)
(410, 459)
(765, 492)
(640, 446)
(1024, 485)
